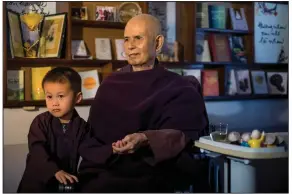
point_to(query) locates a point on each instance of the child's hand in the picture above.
(63, 176)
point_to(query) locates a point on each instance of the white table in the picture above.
(240, 162)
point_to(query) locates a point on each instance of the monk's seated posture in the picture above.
(140, 119)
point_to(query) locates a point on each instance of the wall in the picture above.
(240, 115)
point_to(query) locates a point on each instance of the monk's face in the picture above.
(60, 99)
(139, 43)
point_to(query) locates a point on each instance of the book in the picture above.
(243, 81)
(79, 49)
(15, 85)
(106, 13)
(217, 16)
(90, 83)
(103, 49)
(231, 87)
(202, 15)
(277, 82)
(210, 83)
(237, 49)
(259, 82)
(202, 48)
(238, 19)
(193, 72)
(219, 46)
(120, 52)
(37, 75)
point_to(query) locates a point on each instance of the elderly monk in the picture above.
(140, 117)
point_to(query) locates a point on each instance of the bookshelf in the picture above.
(98, 24)
(186, 29)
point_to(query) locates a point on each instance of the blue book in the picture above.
(259, 82)
(217, 16)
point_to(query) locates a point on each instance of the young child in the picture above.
(55, 135)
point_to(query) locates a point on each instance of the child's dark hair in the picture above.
(63, 75)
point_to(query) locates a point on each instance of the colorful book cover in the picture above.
(277, 82)
(259, 82)
(90, 83)
(210, 83)
(202, 15)
(15, 85)
(217, 16)
(238, 19)
(193, 72)
(219, 46)
(243, 81)
(38, 73)
(237, 49)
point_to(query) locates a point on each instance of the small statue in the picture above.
(270, 141)
(233, 137)
(245, 137)
(256, 139)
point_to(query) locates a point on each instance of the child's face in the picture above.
(60, 99)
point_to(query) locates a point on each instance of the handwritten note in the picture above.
(271, 33)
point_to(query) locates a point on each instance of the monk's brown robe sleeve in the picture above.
(185, 112)
(40, 162)
(91, 149)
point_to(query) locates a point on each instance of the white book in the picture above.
(120, 51)
(277, 82)
(90, 83)
(103, 49)
(232, 87)
(193, 72)
(15, 85)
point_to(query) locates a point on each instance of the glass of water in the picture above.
(218, 132)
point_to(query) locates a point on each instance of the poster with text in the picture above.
(271, 32)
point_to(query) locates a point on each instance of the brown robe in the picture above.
(51, 150)
(157, 102)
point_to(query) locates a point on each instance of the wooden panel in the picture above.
(27, 83)
(66, 7)
(5, 37)
(185, 28)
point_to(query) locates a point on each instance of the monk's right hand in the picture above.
(63, 176)
(117, 144)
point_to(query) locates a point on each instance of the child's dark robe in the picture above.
(163, 105)
(51, 148)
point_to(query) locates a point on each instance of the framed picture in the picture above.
(15, 33)
(79, 13)
(105, 13)
(52, 36)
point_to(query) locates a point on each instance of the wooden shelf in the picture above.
(24, 62)
(37, 103)
(226, 31)
(98, 24)
(41, 103)
(245, 97)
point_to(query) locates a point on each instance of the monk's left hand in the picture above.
(131, 143)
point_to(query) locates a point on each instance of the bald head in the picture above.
(151, 23)
(143, 40)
